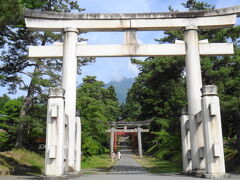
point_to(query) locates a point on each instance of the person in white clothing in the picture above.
(119, 155)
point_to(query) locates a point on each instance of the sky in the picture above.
(107, 69)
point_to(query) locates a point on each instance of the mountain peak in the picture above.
(121, 88)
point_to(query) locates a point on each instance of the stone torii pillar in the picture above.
(215, 165)
(186, 148)
(69, 81)
(54, 153)
(194, 84)
(78, 148)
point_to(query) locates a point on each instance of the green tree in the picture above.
(112, 109)
(159, 94)
(35, 127)
(17, 67)
(3, 100)
(97, 107)
(8, 123)
(10, 12)
(160, 88)
(131, 110)
(34, 123)
(224, 72)
(111, 93)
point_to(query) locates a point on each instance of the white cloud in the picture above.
(132, 68)
(116, 75)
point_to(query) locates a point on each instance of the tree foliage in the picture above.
(34, 123)
(33, 75)
(10, 12)
(8, 122)
(159, 92)
(97, 106)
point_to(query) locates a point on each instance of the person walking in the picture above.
(119, 155)
(113, 155)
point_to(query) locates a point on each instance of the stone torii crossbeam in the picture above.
(72, 24)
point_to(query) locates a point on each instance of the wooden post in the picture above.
(115, 141)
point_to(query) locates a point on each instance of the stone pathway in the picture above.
(127, 165)
(122, 177)
(144, 177)
(125, 169)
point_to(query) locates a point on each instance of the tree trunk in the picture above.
(24, 111)
(27, 103)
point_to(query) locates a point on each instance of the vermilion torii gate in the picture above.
(127, 127)
(63, 128)
(117, 139)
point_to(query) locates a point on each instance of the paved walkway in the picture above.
(125, 169)
(127, 165)
(128, 169)
(144, 177)
(122, 177)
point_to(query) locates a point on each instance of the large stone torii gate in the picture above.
(63, 128)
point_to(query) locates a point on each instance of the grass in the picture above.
(21, 162)
(101, 162)
(232, 159)
(155, 165)
(24, 162)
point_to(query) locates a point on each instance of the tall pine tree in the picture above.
(34, 76)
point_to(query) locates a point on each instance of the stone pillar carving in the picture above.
(215, 165)
(194, 84)
(186, 147)
(139, 141)
(54, 153)
(69, 80)
(78, 145)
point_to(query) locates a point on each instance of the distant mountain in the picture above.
(121, 88)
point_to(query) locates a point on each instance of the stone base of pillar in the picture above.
(66, 176)
(216, 176)
(188, 173)
(198, 172)
(63, 177)
(202, 174)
